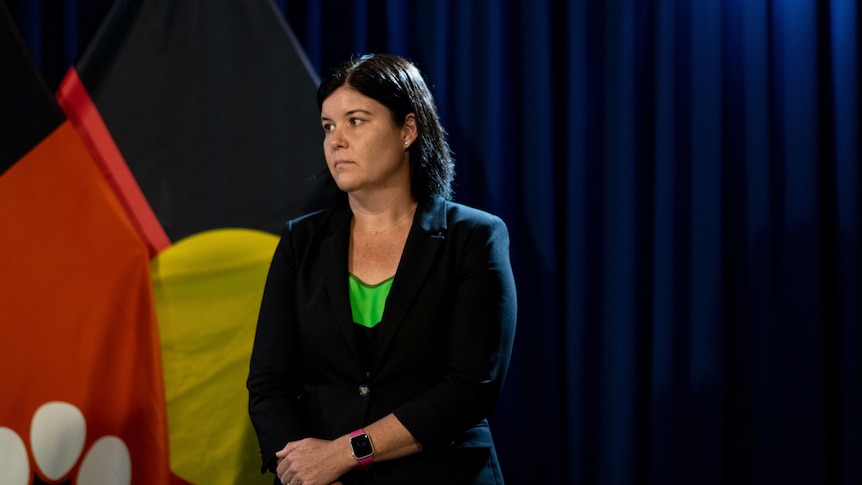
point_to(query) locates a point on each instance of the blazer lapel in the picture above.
(424, 242)
(335, 250)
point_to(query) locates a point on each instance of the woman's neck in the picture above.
(380, 213)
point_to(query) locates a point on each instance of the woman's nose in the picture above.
(336, 140)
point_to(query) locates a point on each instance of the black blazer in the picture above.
(443, 344)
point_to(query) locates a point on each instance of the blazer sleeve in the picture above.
(274, 383)
(479, 341)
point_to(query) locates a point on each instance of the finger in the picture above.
(281, 469)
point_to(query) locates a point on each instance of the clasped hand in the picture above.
(310, 461)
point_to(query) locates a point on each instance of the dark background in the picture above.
(681, 180)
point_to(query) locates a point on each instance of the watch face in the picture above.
(361, 446)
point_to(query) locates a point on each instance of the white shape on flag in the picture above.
(14, 465)
(57, 435)
(107, 463)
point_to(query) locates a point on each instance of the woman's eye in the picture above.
(327, 127)
(355, 121)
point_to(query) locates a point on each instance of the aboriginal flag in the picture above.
(211, 106)
(82, 390)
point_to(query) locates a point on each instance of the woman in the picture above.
(387, 322)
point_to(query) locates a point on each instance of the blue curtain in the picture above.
(681, 179)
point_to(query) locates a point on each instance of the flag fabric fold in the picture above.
(76, 102)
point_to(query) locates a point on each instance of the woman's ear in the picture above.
(409, 131)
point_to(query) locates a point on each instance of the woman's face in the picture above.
(364, 149)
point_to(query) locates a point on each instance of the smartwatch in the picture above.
(362, 449)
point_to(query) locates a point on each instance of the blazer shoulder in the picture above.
(458, 211)
(312, 221)
(312, 227)
(460, 215)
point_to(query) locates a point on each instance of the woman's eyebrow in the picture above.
(349, 113)
(358, 110)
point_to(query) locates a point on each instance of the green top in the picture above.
(367, 301)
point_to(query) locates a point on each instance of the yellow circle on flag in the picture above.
(207, 291)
